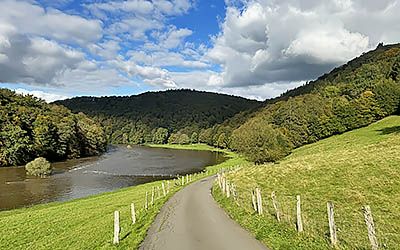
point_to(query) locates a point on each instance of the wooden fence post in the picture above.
(133, 213)
(259, 201)
(183, 180)
(116, 227)
(158, 192)
(276, 206)
(163, 189)
(332, 226)
(223, 184)
(219, 181)
(227, 188)
(369, 221)
(152, 196)
(187, 179)
(168, 187)
(298, 215)
(146, 206)
(253, 200)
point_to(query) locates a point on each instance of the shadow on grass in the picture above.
(390, 130)
(124, 237)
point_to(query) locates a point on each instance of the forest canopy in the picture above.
(175, 116)
(31, 128)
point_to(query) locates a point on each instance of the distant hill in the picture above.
(135, 119)
(29, 128)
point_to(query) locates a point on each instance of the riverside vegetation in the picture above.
(354, 169)
(31, 128)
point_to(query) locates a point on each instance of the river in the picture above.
(119, 167)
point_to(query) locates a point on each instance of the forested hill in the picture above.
(354, 95)
(136, 119)
(30, 128)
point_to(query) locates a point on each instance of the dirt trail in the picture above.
(192, 220)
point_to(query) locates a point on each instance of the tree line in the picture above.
(31, 128)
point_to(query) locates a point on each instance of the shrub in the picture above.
(260, 142)
(38, 167)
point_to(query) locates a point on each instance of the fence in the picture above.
(151, 197)
(227, 187)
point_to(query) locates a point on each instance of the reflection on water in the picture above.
(119, 167)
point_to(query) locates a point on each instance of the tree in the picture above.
(16, 147)
(45, 136)
(194, 138)
(160, 136)
(222, 142)
(260, 142)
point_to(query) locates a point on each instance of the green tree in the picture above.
(260, 142)
(160, 136)
(194, 138)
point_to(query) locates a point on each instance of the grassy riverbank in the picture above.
(361, 167)
(88, 223)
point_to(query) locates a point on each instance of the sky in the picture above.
(56, 49)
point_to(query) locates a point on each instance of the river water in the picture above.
(119, 167)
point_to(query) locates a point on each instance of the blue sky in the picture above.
(258, 49)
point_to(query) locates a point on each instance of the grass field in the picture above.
(361, 167)
(88, 223)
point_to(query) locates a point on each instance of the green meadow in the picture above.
(357, 168)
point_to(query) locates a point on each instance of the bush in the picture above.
(260, 142)
(38, 167)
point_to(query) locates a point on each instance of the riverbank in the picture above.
(87, 223)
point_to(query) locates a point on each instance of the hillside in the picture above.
(354, 95)
(354, 169)
(135, 119)
(30, 128)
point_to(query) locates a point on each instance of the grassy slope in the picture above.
(353, 169)
(87, 223)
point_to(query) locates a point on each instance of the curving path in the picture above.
(192, 220)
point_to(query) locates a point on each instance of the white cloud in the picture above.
(150, 75)
(31, 19)
(48, 97)
(267, 42)
(174, 37)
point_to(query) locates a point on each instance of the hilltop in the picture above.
(136, 118)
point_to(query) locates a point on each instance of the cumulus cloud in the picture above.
(48, 97)
(34, 60)
(32, 19)
(35, 43)
(151, 75)
(267, 42)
